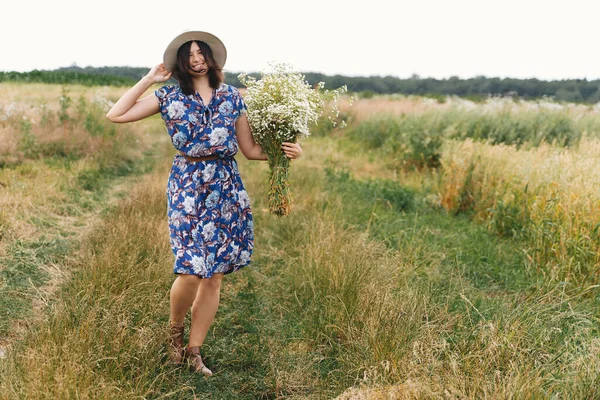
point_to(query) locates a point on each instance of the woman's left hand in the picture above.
(292, 150)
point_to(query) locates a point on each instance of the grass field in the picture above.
(392, 278)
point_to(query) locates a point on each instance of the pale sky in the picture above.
(432, 38)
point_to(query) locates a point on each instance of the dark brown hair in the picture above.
(215, 72)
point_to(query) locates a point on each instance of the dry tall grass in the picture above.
(398, 105)
(362, 109)
(547, 194)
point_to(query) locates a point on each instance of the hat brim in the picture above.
(216, 45)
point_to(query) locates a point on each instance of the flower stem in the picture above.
(279, 197)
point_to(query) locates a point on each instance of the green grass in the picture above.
(396, 215)
(22, 273)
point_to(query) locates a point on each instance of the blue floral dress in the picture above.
(210, 221)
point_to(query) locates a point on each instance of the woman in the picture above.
(210, 221)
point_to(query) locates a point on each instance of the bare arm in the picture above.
(130, 107)
(253, 150)
(250, 149)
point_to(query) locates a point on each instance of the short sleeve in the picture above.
(162, 94)
(238, 102)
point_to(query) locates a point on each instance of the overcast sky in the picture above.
(432, 38)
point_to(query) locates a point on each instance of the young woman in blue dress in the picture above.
(211, 234)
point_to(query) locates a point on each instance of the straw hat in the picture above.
(216, 45)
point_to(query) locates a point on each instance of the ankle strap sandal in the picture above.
(192, 355)
(176, 351)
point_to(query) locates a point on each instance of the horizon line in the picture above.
(415, 76)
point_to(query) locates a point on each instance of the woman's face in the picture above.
(197, 62)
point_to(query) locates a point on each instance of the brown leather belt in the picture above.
(198, 159)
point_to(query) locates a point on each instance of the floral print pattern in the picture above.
(209, 214)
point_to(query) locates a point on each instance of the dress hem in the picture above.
(206, 276)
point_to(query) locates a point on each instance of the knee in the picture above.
(189, 280)
(213, 283)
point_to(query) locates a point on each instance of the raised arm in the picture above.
(130, 107)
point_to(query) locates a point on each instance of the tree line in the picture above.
(572, 90)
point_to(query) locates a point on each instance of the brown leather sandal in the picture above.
(176, 350)
(192, 355)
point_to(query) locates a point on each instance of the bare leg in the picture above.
(183, 293)
(204, 308)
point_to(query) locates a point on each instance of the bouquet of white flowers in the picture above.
(281, 107)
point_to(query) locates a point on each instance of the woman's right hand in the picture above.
(130, 107)
(159, 73)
